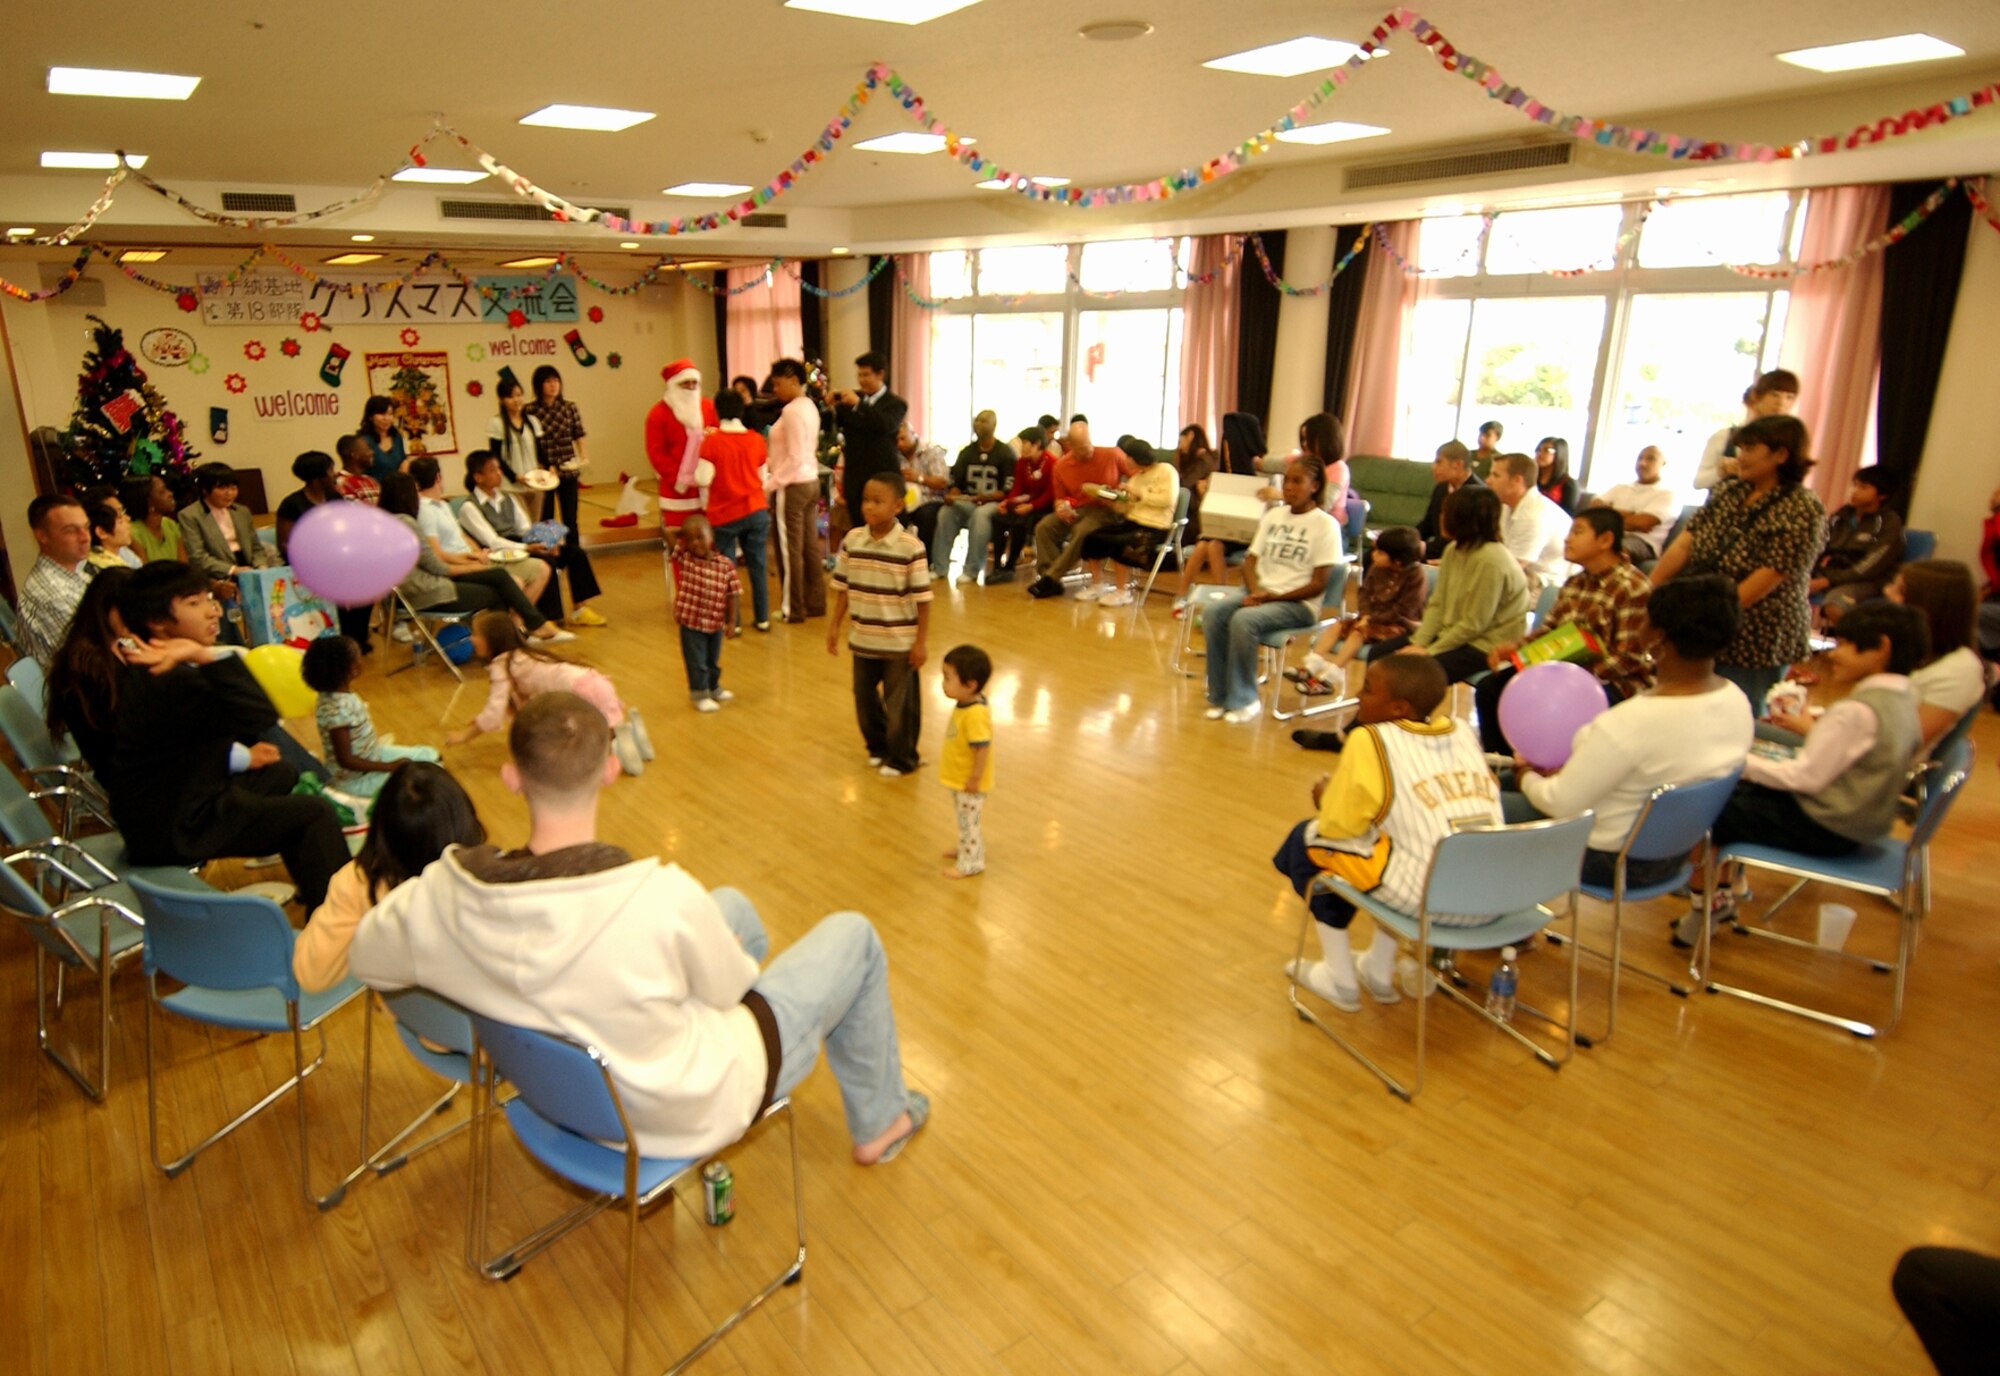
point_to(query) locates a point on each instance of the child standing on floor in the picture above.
(965, 766)
(1391, 604)
(1404, 783)
(884, 572)
(517, 671)
(705, 593)
(360, 763)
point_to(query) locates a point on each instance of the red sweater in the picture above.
(737, 489)
(1031, 480)
(1072, 472)
(1989, 549)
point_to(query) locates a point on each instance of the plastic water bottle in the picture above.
(1500, 989)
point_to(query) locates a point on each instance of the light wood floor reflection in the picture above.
(1140, 1159)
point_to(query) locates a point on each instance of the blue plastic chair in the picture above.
(567, 1109)
(233, 954)
(1354, 531)
(1674, 822)
(1484, 890)
(96, 859)
(420, 1017)
(1276, 646)
(56, 768)
(1918, 544)
(1890, 869)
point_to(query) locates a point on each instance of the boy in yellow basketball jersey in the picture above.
(1404, 783)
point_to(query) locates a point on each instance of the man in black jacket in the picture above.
(1451, 470)
(869, 418)
(190, 780)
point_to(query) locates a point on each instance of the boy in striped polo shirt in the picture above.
(883, 573)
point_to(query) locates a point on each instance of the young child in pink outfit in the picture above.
(518, 671)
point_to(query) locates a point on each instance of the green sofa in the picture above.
(1397, 490)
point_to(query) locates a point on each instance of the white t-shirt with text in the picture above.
(1289, 547)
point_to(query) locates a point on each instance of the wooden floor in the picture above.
(1140, 1159)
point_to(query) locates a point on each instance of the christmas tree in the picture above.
(122, 425)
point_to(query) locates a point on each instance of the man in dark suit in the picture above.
(869, 418)
(1450, 470)
(190, 780)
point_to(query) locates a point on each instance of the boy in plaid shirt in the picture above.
(883, 573)
(704, 603)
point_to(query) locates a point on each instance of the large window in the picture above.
(1656, 348)
(1056, 329)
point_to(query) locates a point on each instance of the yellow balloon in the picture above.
(278, 670)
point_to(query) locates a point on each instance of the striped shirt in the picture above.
(885, 580)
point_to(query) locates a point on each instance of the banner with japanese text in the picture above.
(280, 298)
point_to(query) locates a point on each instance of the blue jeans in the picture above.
(754, 533)
(703, 652)
(976, 517)
(830, 988)
(1231, 630)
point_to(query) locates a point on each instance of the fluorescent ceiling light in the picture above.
(703, 263)
(1333, 131)
(630, 243)
(1293, 57)
(909, 141)
(706, 189)
(142, 255)
(91, 162)
(24, 231)
(839, 252)
(95, 81)
(362, 238)
(883, 11)
(439, 176)
(348, 260)
(528, 263)
(601, 118)
(1873, 52)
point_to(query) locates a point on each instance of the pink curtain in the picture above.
(1833, 337)
(910, 341)
(1209, 334)
(1380, 345)
(762, 324)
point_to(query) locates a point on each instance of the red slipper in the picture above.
(620, 522)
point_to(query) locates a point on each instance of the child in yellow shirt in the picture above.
(1403, 784)
(966, 764)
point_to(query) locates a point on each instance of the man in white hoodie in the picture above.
(635, 958)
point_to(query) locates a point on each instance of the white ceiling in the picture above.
(320, 99)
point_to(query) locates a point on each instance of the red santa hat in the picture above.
(677, 367)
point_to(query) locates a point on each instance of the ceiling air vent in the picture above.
(260, 202)
(1454, 166)
(515, 211)
(766, 219)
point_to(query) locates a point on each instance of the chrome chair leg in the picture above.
(96, 1086)
(386, 1158)
(1306, 1014)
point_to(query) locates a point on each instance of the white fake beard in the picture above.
(686, 405)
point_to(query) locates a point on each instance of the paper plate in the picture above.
(540, 479)
(509, 556)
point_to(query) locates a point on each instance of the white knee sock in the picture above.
(1334, 950)
(1380, 958)
(1319, 666)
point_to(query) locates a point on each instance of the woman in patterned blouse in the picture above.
(562, 450)
(1762, 529)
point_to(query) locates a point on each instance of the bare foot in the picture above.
(868, 1153)
(951, 854)
(954, 872)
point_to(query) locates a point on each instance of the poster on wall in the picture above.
(281, 298)
(419, 385)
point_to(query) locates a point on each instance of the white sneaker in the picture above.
(1090, 592)
(1119, 597)
(723, 695)
(1383, 990)
(707, 705)
(1214, 713)
(1242, 714)
(875, 761)
(889, 771)
(1318, 977)
(401, 631)
(560, 637)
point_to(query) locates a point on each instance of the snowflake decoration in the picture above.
(309, 321)
(290, 348)
(516, 319)
(236, 383)
(615, 360)
(197, 364)
(476, 352)
(410, 338)
(254, 351)
(474, 388)
(187, 301)
(597, 315)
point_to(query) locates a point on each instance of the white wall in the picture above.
(1961, 466)
(662, 322)
(846, 319)
(1298, 365)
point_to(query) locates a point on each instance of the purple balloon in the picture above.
(351, 553)
(1544, 707)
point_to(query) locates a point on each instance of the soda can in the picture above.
(718, 1193)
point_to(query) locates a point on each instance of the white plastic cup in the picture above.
(1836, 920)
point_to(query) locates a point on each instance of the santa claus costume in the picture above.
(674, 429)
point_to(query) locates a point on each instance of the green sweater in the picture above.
(1481, 599)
